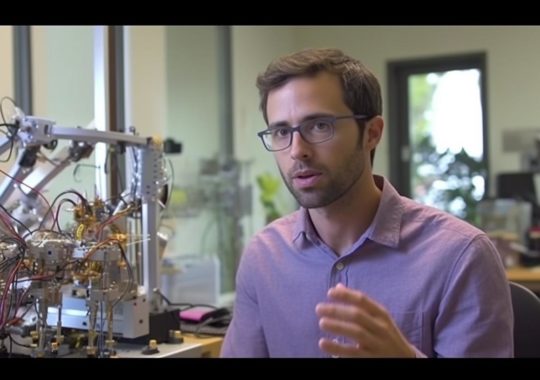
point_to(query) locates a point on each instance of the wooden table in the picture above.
(528, 277)
(211, 346)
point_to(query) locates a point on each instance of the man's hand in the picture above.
(367, 327)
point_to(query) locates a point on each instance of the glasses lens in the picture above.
(277, 138)
(316, 131)
(313, 131)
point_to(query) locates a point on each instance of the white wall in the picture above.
(6, 52)
(6, 78)
(192, 93)
(192, 102)
(513, 59)
(174, 81)
(253, 49)
(146, 80)
(62, 73)
(174, 85)
(62, 80)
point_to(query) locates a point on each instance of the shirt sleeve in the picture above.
(245, 336)
(475, 317)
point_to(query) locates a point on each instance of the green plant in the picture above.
(458, 194)
(269, 187)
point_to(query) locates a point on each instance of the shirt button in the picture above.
(340, 266)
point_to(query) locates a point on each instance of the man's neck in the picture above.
(340, 224)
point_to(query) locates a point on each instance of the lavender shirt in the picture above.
(440, 278)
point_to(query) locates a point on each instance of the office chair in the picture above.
(526, 307)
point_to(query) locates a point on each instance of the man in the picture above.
(358, 270)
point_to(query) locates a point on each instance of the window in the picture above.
(438, 131)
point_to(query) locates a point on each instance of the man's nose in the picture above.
(300, 148)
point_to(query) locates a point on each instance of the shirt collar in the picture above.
(303, 226)
(385, 227)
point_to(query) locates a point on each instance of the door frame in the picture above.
(398, 72)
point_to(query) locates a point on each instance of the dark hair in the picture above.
(361, 89)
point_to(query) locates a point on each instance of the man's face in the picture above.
(318, 174)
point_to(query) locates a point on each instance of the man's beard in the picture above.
(338, 184)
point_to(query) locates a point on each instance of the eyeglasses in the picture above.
(314, 131)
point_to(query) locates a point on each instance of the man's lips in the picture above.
(305, 178)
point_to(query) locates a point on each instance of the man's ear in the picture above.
(373, 132)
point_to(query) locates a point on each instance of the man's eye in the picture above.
(320, 126)
(280, 132)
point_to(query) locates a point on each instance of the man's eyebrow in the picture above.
(280, 124)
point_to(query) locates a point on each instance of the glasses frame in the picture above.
(331, 119)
